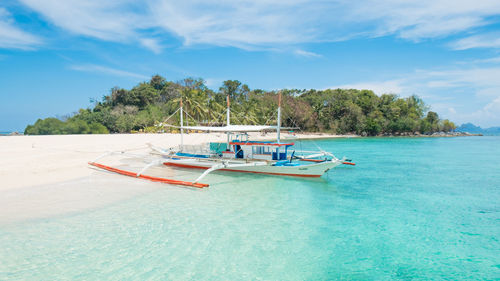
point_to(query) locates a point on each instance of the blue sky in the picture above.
(57, 55)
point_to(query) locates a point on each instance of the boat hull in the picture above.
(312, 170)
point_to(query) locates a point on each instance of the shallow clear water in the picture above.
(412, 208)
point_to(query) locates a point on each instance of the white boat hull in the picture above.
(311, 170)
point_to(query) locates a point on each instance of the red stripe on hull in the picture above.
(238, 171)
(313, 160)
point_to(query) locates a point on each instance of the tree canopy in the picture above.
(340, 111)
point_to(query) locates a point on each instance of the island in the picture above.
(145, 107)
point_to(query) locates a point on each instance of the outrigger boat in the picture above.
(238, 154)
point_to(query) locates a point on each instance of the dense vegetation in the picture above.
(341, 111)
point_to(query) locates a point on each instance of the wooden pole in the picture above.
(182, 130)
(228, 118)
(279, 117)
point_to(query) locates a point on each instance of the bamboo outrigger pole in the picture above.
(146, 177)
(182, 130)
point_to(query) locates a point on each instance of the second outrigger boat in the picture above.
(238, 154)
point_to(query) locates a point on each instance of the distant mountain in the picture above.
(469, 128)
(473, 129)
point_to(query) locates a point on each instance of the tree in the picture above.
(169, 91)
(424, 126)
(372, 127)
(367, 100)
(97, 128)
(432, 118)
(48, 126)
(76, 126)
(157, 82)
(235, 89)
(333, 110)
(143, 95)
(120, 96)
(447, 126)
(193, 83)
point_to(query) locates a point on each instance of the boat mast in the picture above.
(279, 118)
(228, 112)
(228, 117)
(182, 130)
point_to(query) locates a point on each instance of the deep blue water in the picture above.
(412, 209)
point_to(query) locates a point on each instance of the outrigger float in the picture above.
(238, 154)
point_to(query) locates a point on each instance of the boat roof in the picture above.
(233, 128)
(263, 143)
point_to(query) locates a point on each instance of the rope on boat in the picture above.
(164, 121)
(317, 146)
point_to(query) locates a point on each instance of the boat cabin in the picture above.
(241, 148)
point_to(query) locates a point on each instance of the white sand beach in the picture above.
(38, 160)
(47, 176)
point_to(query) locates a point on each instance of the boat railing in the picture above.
(304, 151)
(198, 149)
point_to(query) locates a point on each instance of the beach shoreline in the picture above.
(40, 160)
(45, 159)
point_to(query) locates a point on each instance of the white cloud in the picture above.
(470, 93)
(487, 92)
(151, 44)
(469, 89)
(488, 60)
(481, 78)
(240, 23)
(488, 116)
(107, 70)
(494, 107)
(306, 54)
(261, 22)
(258, 23)
(465, 94)
(107, 20)
(13, 37)
(417, 20)
(489, 40)
(118, 21)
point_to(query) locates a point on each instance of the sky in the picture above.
(56, 56)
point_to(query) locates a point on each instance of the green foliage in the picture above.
(53, 126)
(157, 82)
(372, 127)
(235, 89)
(342, 111)
(97, 128)
(48, 126)
(447, 126)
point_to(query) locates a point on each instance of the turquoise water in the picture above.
(412, 209)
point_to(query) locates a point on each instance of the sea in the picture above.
(411, 209)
